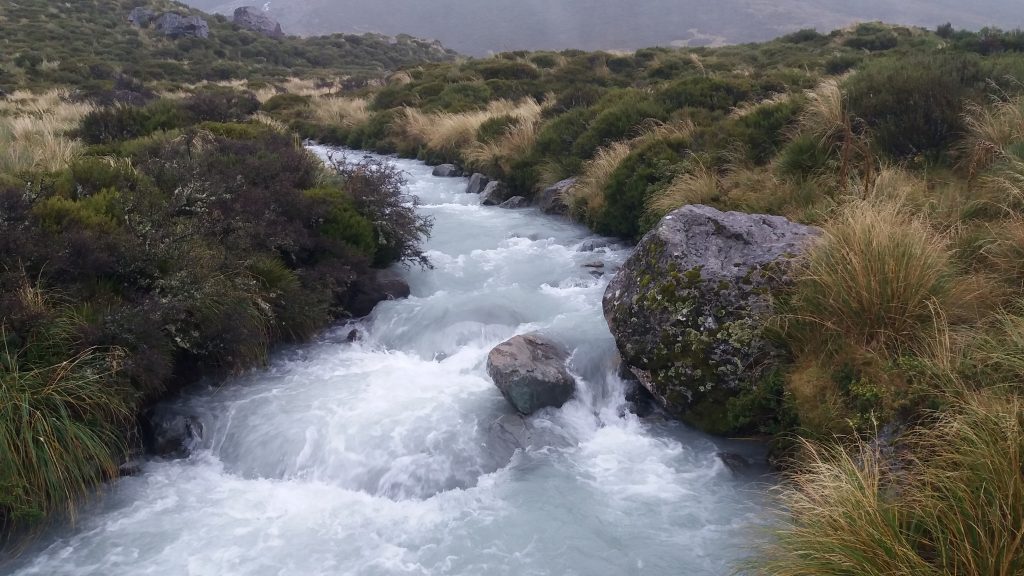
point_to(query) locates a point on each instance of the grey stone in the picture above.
(689, 307)
(447, 171)
(178, 26)
(734, 462)
(515, 202)
(530, 372)
(372, 289)
(594, 244)
(477, 183)
(494, 194)
(252, 18)
(170, 432)
(140, 16)
(552, 199)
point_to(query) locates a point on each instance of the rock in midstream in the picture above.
(531, 373)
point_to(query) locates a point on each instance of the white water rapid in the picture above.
(380, 457)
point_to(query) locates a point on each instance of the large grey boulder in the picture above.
(170, 432)
(552, 199)
(447, 171)
(252, 18)
(477, 183)
(530, 372)
(140, 16)
(689, 307)
(494, 194)
(178, 26)
(515, 202)
(372, 289)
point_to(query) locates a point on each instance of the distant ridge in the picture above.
(481, 26)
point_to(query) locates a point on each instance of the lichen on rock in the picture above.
(688, 309)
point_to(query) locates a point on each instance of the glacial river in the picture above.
(396, 455)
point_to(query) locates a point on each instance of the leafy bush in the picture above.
(616, 122)
(914, 105)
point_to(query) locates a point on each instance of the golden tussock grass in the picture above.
(35, 131)
(586, 197)
(345, 112)
(451, 133)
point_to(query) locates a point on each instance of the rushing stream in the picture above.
(383, 456)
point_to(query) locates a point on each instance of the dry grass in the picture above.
(747, 108)
(451, 133)
(700, 185)
(516, 142)
(950, 501)
(34, 131)
(586, 197)
(345, 112)
(991, 130)
(874, 281)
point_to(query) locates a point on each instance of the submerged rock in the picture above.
(530, 372)
(252, 18)
(477, 183)
(178, 26)
(552, 199)
(170, 432)
(447, 171)
(515, 202)
(595, 244)
(494, 194)
(688, 308)
(368, 291)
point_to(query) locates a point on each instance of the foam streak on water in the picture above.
(380, 457)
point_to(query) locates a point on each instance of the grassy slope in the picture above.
(79, 43)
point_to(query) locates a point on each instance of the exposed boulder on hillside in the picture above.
(252, 18)
(494, 194)
(552, 199)
(477, 183)
(140, 16)
(178, 26)
(530, 372)
(447, 171)
(688, 309)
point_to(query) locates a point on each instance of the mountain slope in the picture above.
(73, 43)
(479, 26)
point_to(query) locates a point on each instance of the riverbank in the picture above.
(397, 452)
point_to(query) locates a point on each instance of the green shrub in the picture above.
(616, 122)
(914, 105)
(341, 222)
(646, 169)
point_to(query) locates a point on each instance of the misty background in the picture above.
(477, 27)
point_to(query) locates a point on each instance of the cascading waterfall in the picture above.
(389, 456)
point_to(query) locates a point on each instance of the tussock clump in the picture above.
(874, 281)
(698, 186)
(451, 133)
(586, 198)
(948, 500)
(344, 112)
(35, 131)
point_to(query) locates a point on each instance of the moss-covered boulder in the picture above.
(688, 311)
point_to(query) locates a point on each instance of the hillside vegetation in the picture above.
(87, 44)
(904, 324)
